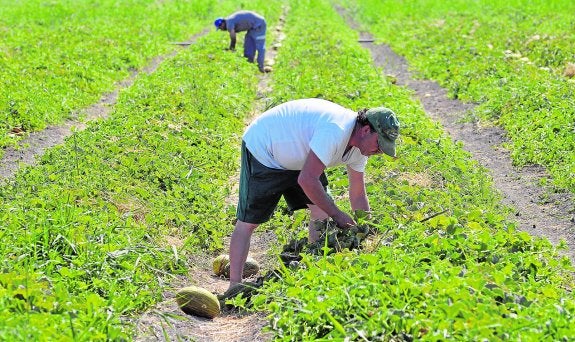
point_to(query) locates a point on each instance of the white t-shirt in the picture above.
(282, 137)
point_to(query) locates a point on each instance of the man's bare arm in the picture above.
(357, 194)
(232, 39)
(309, 181)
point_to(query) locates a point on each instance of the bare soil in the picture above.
(166, 322)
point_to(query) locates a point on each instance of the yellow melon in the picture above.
(198, 301)
(221, 266)
(220, 263)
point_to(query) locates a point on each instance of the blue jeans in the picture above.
(256, 41)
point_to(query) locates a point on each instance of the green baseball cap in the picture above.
(386, 125)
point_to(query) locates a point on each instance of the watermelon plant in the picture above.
(464, 274)
(94, 232)
(89, 231)
(59, 57)
(511, 58)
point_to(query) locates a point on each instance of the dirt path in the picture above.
(538, 210)
(166, 322)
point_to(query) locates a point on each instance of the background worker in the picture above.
(255, 39)
(285, 152)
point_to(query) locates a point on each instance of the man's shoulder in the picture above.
(321, 105)
(245, 14)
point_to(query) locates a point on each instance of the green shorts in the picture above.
(262, 187)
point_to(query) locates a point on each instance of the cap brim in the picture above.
(386, 145)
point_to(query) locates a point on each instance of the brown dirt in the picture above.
(166, 322)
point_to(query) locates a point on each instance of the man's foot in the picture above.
(266, 69)
(246, 289)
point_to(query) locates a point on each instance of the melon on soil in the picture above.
(198, 301)
(221, 266)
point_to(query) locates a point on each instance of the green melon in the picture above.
(198, 301)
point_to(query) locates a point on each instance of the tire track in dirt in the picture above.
(538, 210)
(31, 148)
(166, 322)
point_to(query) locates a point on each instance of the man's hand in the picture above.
(232, 40)
(309, 181)
(343, 220)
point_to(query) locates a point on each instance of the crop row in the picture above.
(515, 59)
(59, 57)
(466, 274)
(92, 232)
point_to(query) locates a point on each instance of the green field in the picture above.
(86, 231)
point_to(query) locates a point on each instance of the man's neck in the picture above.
(351, 141)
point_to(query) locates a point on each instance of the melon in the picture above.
(221, 266)
(198, 301)
(569, 70)
(220, 263)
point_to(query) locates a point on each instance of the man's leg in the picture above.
(317, 221)
(260, 45)
(239, 248)
(261, 48)
(249, 47)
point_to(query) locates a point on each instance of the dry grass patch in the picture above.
(421, 179)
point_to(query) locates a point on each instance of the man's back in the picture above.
(283, 136)
(244, 21)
